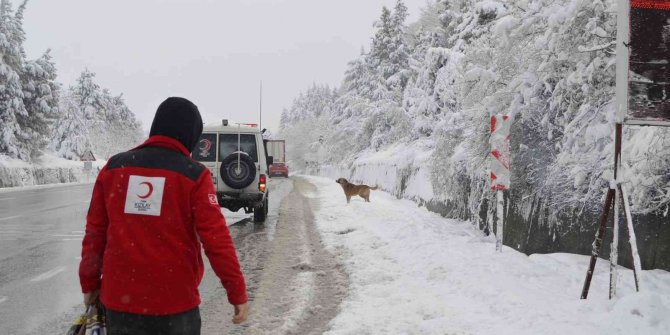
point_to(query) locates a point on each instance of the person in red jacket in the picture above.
(151, 209)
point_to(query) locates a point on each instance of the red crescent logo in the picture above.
(151, 190)
(207, 144)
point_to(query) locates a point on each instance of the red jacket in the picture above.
(151, 209)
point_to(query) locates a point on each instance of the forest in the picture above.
(413, 115)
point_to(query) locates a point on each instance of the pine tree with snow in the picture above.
(284, 120)
(399, 51)
(12, 138)
(389, 54)
(81, 116)
(93, 119)
(380, 52)
(70, 137)
(359, 78)
(89, 96)
(120, 131)
(40, 91)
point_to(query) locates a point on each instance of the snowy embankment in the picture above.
(402, 170)
(48, 169)
(414, 272)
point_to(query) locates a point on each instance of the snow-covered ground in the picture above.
(414, 272)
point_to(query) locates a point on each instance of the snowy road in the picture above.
(319, 265)
(295, 286)
(40, 242)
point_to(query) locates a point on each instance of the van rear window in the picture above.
(205, 150)
(228, 145)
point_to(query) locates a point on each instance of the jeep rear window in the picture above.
(205, 150)
(228, 145)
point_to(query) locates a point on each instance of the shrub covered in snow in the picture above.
(47, 169)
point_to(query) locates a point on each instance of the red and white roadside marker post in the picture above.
(500, 161)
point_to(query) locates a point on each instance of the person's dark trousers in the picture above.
(186, 323)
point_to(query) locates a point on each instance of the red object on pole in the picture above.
(500, 161)
(651, 4)
(500, 155)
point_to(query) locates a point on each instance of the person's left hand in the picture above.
(91, 297)
(241, 313)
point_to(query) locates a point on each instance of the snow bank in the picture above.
(48, 169)
(414, 272)
(532, 225)
(402, 170)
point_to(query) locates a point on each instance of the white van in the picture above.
(235, 154)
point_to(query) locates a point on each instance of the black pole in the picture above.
(617, 150)
(598, 242)
(609, 202)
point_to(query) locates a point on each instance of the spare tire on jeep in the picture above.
(238, 175)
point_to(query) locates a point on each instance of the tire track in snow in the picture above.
(295, 286)
(303, 285)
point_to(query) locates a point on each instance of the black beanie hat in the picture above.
(180, 119)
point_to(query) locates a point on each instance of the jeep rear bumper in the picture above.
(235, 201)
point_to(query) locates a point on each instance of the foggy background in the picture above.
(214, 53)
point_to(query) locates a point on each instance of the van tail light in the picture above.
(262, 180)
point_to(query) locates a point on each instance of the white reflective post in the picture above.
(622, 56)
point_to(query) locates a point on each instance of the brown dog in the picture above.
(351, 190)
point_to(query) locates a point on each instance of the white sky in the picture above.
(212, 52)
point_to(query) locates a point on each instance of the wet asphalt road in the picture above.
(40, 244)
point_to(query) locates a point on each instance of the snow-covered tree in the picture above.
(33, 115)
(71, 136)
(398, 61)
(388, 57)
(92, 119)
(380, 52)
(548, 64)
(12, 138)
(89, 96)
(119, 131)
(40, 91)
(28, 94)
(361, 82)
(305, 125)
